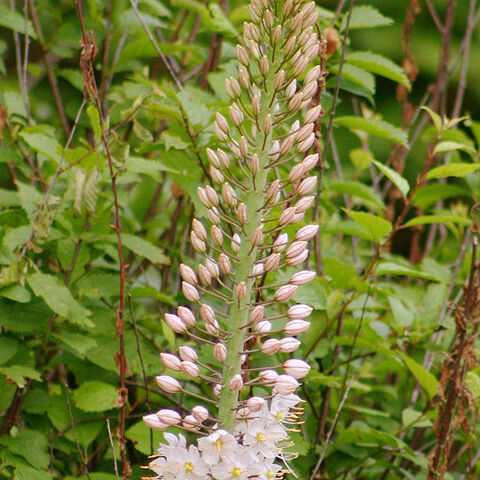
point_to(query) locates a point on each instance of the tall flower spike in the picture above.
(235, 306)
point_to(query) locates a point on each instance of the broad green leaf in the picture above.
(25, 472)
(429, 219)
(378, 128)
(42, 143)
(31, 445)
(8, 348)
(20, 373)
(312, 294)
(14, 20)
(9, 198)
(17, 293)
(58, 298)
(365, 16)
(360, 158)
(391, 268)
(379, 65)
(150, 292)
(24, 317)
(143, 248)
(436, 118)
(139, 434)
(453, 170)
(448, 146)
(356, 75)
(377, 227)
(424, 377)
(361, 191)
(413, 418)
(157, 7)
(428, 195)
(400, 182)
(79, 343)
(95, 396)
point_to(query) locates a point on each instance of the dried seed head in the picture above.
(187, 316)
(190, 292)
(175, 323)
(188, 354)
(188, 274)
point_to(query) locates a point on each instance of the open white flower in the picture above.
(238, 467)
(217, 446)
(260, 438)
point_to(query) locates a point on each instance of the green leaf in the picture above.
(95, 396)
(356, 75)
(20, 373)
(377, 227)
(429, 219)
(473, 383)
(424, 377)
(400, 182)
(453, 170)
(436, 118)
(355, 189)
(79, 343)
(391, 268)
(58, 298)
(15, 21)
(143, 248)
(8, 348)
(17, 293)
(448, 146)
(378, 128)
(428, 195)
(412, 418)
(9, 198)
(31, 445)
(365, 16)
(139, 434)
(42, 143)
(379, 65)
(360, 158)
(150, 292)
(312, 294)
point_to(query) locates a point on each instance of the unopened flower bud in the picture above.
(242, 213)
(307, 232)
(254, 50)
(225, 264)
(302, 278)
(187, 316)
(276, 35)
(280, 243)
(153, 422)
(285, 385)
(313, 114)
(295, 249)
(296, 173)
(304, 204)
(236, 383)
(268, 377)
(175, 323)
(299, 311)
(306, 186)
(229, 195)
(187, 273)
(213, 216)
(297, 21)
(200, 413)
(287, 7)
(285, 293)
(263, 327)
(212, 327)
(240, 290)
(273, 191)
(170, 417)
(267, 125)
(217, 235)
(188, 354)
(270, 346)
(286, 216)
(300, 65)
(272, 262)
(296, 327)
(305, 132)
(220, 352)
(290, 45)
(257, 237)
(190, 423)
(168, 384)
(243, 77)
(216, 175)
(264, 65)
(212, 267)
(170, 361)
(258, 314)
(204, 275)
(254, 164)
(279, 80)
(298, 259)
(236, 242)
(236, 115)
(255, 404)
(190, 292)
(202, 195)
(197, 244)
(243, 146)
(256, 105)
(217, 390)
(207, 313)
(268, 18)
(287, 145)
(296, 368)
(213, 159)
(307, 143)
(190, 369)
(242, 55)
(232, 88)
(309, 90)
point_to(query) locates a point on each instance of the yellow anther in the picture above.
(260, 437)
(188, 467)
(236, 472)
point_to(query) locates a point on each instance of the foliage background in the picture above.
(371, 406)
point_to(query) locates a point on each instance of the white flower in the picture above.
(260, 438)
(238, 467)
(217, 446)
(266, 470)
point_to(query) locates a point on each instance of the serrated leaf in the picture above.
(378, 128)
(424, 377)
(379, 65)
(453, 170)
(95, 396)
(15, 21)
(429, 219)
(20, 373)
(365, 16)
(377, 227)
(31, 445)
(361, 158)
(58, 298)
(448, 146)
(400, 182)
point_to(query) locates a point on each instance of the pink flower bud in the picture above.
(279, 80)
(170, 361)
(236, 383)
(170, 417)
(254, 164)
(220, 352)
(212, 267)
(217, 235)
(296, 327)
(271, 346)
(187, 316)
(286, 216)
(258, 314)
(285, 385)
(242, 214)
(273, 191)
(268, 377)
(190, 369)
(296, 248)
(202, 195)
(225, 264)
(263, 327)
(296, 368)
(229, 195)
(258, 269)
(299, 258)
(280, 243)
(153, 422)
(187, 273)
(190, 292)
(285, 293)
(200, 413)
(199, 229)
(175, 323)
(310, 161)
(302, 278)
(288, 345)
(304, 204)
(267, 125)
(188, 354)
(236, 115)
(296, 173)
(217, 390)
(306, 186)
(272, 262)
(223, 157)
(307, 143)
(313, 74)
(213, 159)
(217, 175)
(197, 244)
(204, 276)
(212, 327)
(169, 384)
(236, 242)
(255, 404)
(306, 233)
(240, 290)
(299, 311)
(287, 144)
(313, 114)
(190, 423)
(304, 133)
(212, 195)
(207, 313)
(222, 123)
(257, 237)
(213, 216)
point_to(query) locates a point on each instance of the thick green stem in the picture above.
(247, 257)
